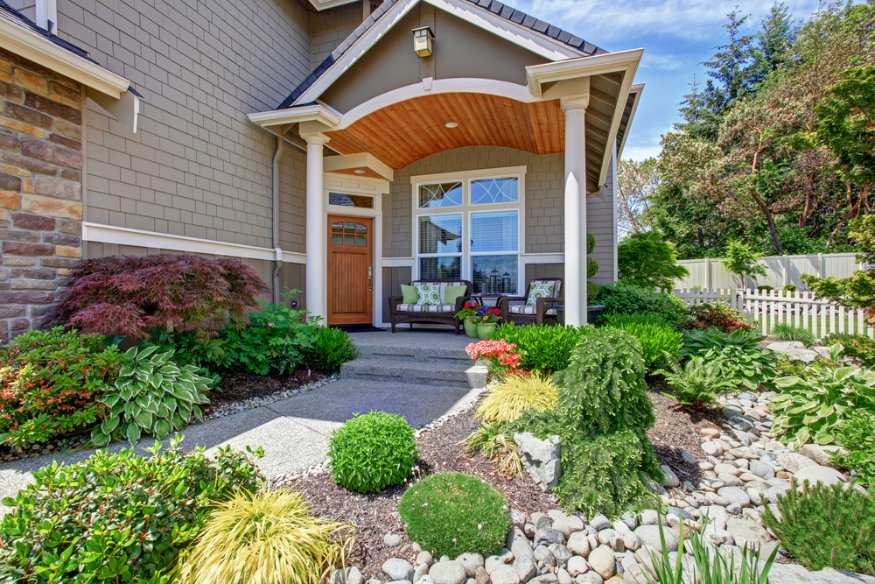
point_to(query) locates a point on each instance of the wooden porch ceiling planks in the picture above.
(405, 132)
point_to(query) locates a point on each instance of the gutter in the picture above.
(275, 216)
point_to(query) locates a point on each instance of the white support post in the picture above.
(316, 242)
(575, 209)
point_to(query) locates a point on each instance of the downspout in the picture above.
(275, 216)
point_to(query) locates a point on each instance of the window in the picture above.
(348, 200)
(470, 229)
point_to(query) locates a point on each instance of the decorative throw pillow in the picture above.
(452, 293)
(539, 290)
(409, 295)
(428, 293)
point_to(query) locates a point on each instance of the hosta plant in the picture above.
(748, 368)
(697, 382)
(153, 396)
(700, 341)
(506, 401)
(812, 409)
(263, 538)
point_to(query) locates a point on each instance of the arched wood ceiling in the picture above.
(405, 132)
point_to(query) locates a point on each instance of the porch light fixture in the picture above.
(451, 125)
(359, 171)
(422, 41)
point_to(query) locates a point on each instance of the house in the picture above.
(339, 147)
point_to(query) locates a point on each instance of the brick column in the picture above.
(40, 189)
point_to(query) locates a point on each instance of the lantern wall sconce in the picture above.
(422, 38)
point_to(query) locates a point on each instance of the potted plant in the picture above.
(466, 315)
(487, 320)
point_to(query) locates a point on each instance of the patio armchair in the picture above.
(438, 313)
(537, 306)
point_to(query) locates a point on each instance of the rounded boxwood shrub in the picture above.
(330, 349)
(451, 513)
(371, 452)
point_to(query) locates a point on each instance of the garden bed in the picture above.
(241, 391)
(379, 532)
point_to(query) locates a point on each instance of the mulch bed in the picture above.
(376, 515)
(241, 386)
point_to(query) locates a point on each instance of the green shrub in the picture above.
(623, 298)
(856, 436)
(274, 341)
(606, 473)
(545, 349)
(116, 517)
(371, 452)
(152, 396)
(646, 259)
(697, 382)
(265, 538)
(827, 526)
(451, 513)
(697, 342)
(601, 418)
(786, 332)
(752, 369)
(330, 349)
(857, 346)
(717, 315)
(658, 338)
(51, 381)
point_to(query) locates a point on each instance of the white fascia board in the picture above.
(622, 98)
(638, 89)
(358, 160)
(321, 114)
(34, 47)
(547, 73)
(546, 47)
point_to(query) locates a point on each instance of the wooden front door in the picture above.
(350, 270)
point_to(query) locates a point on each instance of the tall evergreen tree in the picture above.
(775, 39)
(732, 66)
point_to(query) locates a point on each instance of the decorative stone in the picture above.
(424, 557)
(525, 568)
(671, 479)
(392, 539)
(735, 495)
(481, 576)
(548, 536)
(540, 458)
(602, 561)
(471, 562)
(448, 572)
(600, 522)
(649, 535)
(398, 569)
(568, 524)
(350, 575)
(577, 565)
(578, 543)
(762, 469)
(794, 350)
(793, 461)
(504, 575)
(820, 474)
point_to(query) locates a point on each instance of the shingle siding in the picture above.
(329, 28)
(197, 167)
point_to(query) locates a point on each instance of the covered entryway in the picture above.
(350, 270)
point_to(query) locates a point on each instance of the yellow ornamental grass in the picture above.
(265, 538)
(507, 401)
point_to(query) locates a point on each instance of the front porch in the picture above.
(443, 165)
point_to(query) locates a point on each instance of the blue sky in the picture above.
(676, 35)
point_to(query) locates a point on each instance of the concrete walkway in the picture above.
(294, 432)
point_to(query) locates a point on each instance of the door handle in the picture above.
(370, 278)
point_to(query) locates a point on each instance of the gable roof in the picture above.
(495, 7)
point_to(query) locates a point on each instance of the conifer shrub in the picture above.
(138, 297)
(451, 513)
(822, 526)
(601, 418)
(372, 451)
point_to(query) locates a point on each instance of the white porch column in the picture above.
(316, 242)
(575, 209)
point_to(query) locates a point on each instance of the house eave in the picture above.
(42, 51)
(638, 90)
(321, 5)
(541, 77)
(318, 114)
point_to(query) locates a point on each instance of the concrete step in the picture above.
(413, 353)
(448, 374)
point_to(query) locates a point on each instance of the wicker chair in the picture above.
(430, 313)
(520, 310)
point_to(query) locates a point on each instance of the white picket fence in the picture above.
(767, 308)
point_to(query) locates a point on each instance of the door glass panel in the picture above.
(347, 200)
(495, 274)
(495, 231)
(448, 194)
(492, 191)
(441, 268)
(440, 233)
(349, 233)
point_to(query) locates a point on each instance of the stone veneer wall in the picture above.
(40, 189)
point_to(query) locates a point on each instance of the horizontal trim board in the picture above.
(100, 233)
(399, 262)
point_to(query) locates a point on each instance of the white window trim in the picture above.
(466, 209)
